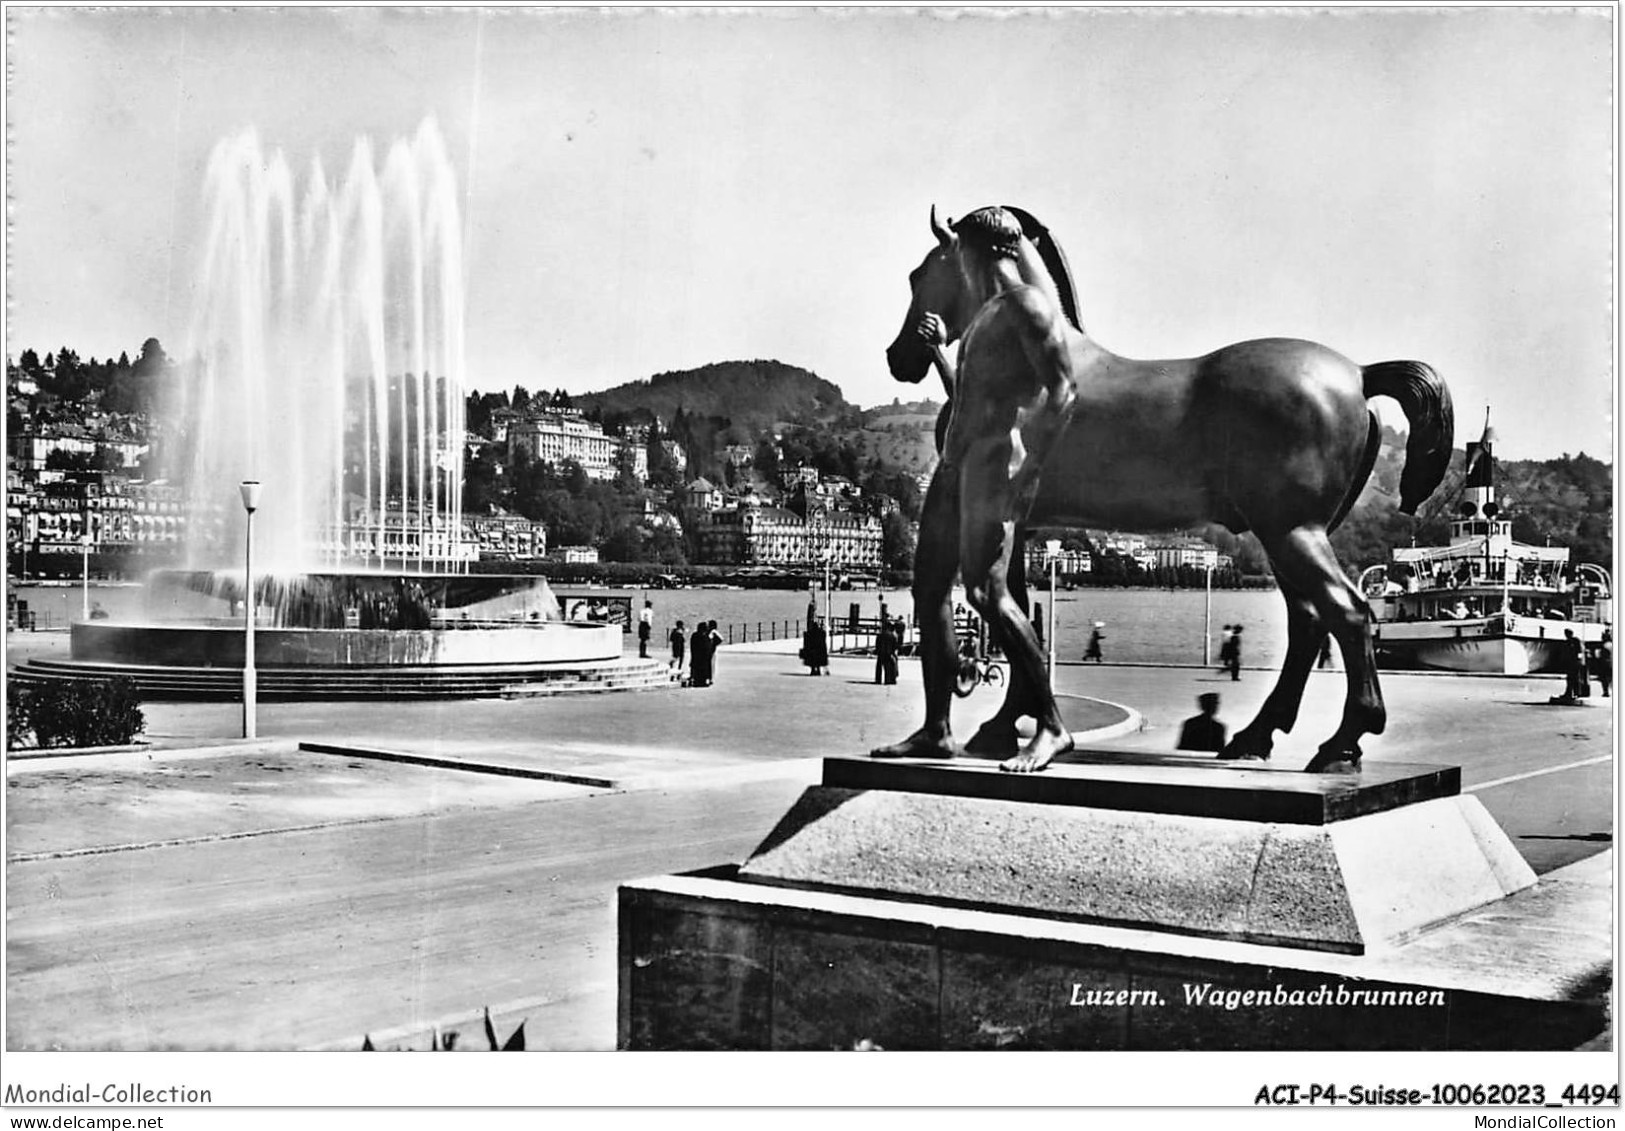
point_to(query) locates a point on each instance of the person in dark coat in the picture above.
(886, 654)
(1230, 653)
(1574, 656)
(1093, 651)
(677, 639)
(713, 641)
(699, 658)
(1204, 731)
(815, 648)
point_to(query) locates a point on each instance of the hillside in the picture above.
(900, 437)
(752, 396)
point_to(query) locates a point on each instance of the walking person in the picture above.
(886, 654)
(1204, 731)
(677, 639)
(1092, 654)
(1574, 667)
(646, 628)
(1604, 667)
(815, 648)
(1230, 653)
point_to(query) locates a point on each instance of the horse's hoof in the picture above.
(1240, 748)
(1325, 759)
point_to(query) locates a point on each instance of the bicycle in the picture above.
(974, 670)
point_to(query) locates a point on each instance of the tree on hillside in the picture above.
(662, 469)
(896, 542)
(766, 459)
(483, 483)
(153, 361)
(626, 475)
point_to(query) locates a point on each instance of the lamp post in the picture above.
(250, 489)
(828, 624)
(1207, 614)
(1052, 551)
(84, 576)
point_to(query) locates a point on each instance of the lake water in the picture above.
(1145, 625)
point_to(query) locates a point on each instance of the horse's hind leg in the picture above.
(1280, 710)
(1304, 559)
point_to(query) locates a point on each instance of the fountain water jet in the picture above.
(326, 361)
(327, 358)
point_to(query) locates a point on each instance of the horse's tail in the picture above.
(1426, 400)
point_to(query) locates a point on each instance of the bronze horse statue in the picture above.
(1272, 436)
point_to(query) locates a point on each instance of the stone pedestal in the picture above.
(1111, 902)
(1332, 862)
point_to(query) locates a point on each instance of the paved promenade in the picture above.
(325, 895)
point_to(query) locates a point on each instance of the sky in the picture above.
(649, 191)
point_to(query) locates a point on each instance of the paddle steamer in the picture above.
(1484, 603)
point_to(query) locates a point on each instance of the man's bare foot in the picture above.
(920, 744)
(997, 736)
(1046, 744)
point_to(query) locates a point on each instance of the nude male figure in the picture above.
(1011, 397)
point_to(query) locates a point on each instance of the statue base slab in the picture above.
(920, 906)
(1330, 862)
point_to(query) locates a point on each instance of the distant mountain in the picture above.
(753, 396)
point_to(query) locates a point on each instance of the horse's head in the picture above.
(937, 286)
(945, 282)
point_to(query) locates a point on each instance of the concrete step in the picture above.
(159, 682)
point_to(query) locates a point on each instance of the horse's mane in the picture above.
(1054, 259)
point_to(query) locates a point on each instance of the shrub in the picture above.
(19, 724)
(447, 1042)
(100, 712)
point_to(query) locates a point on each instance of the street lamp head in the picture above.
(250, 489)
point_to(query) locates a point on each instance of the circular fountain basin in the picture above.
(456, 636)
(222, 645)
